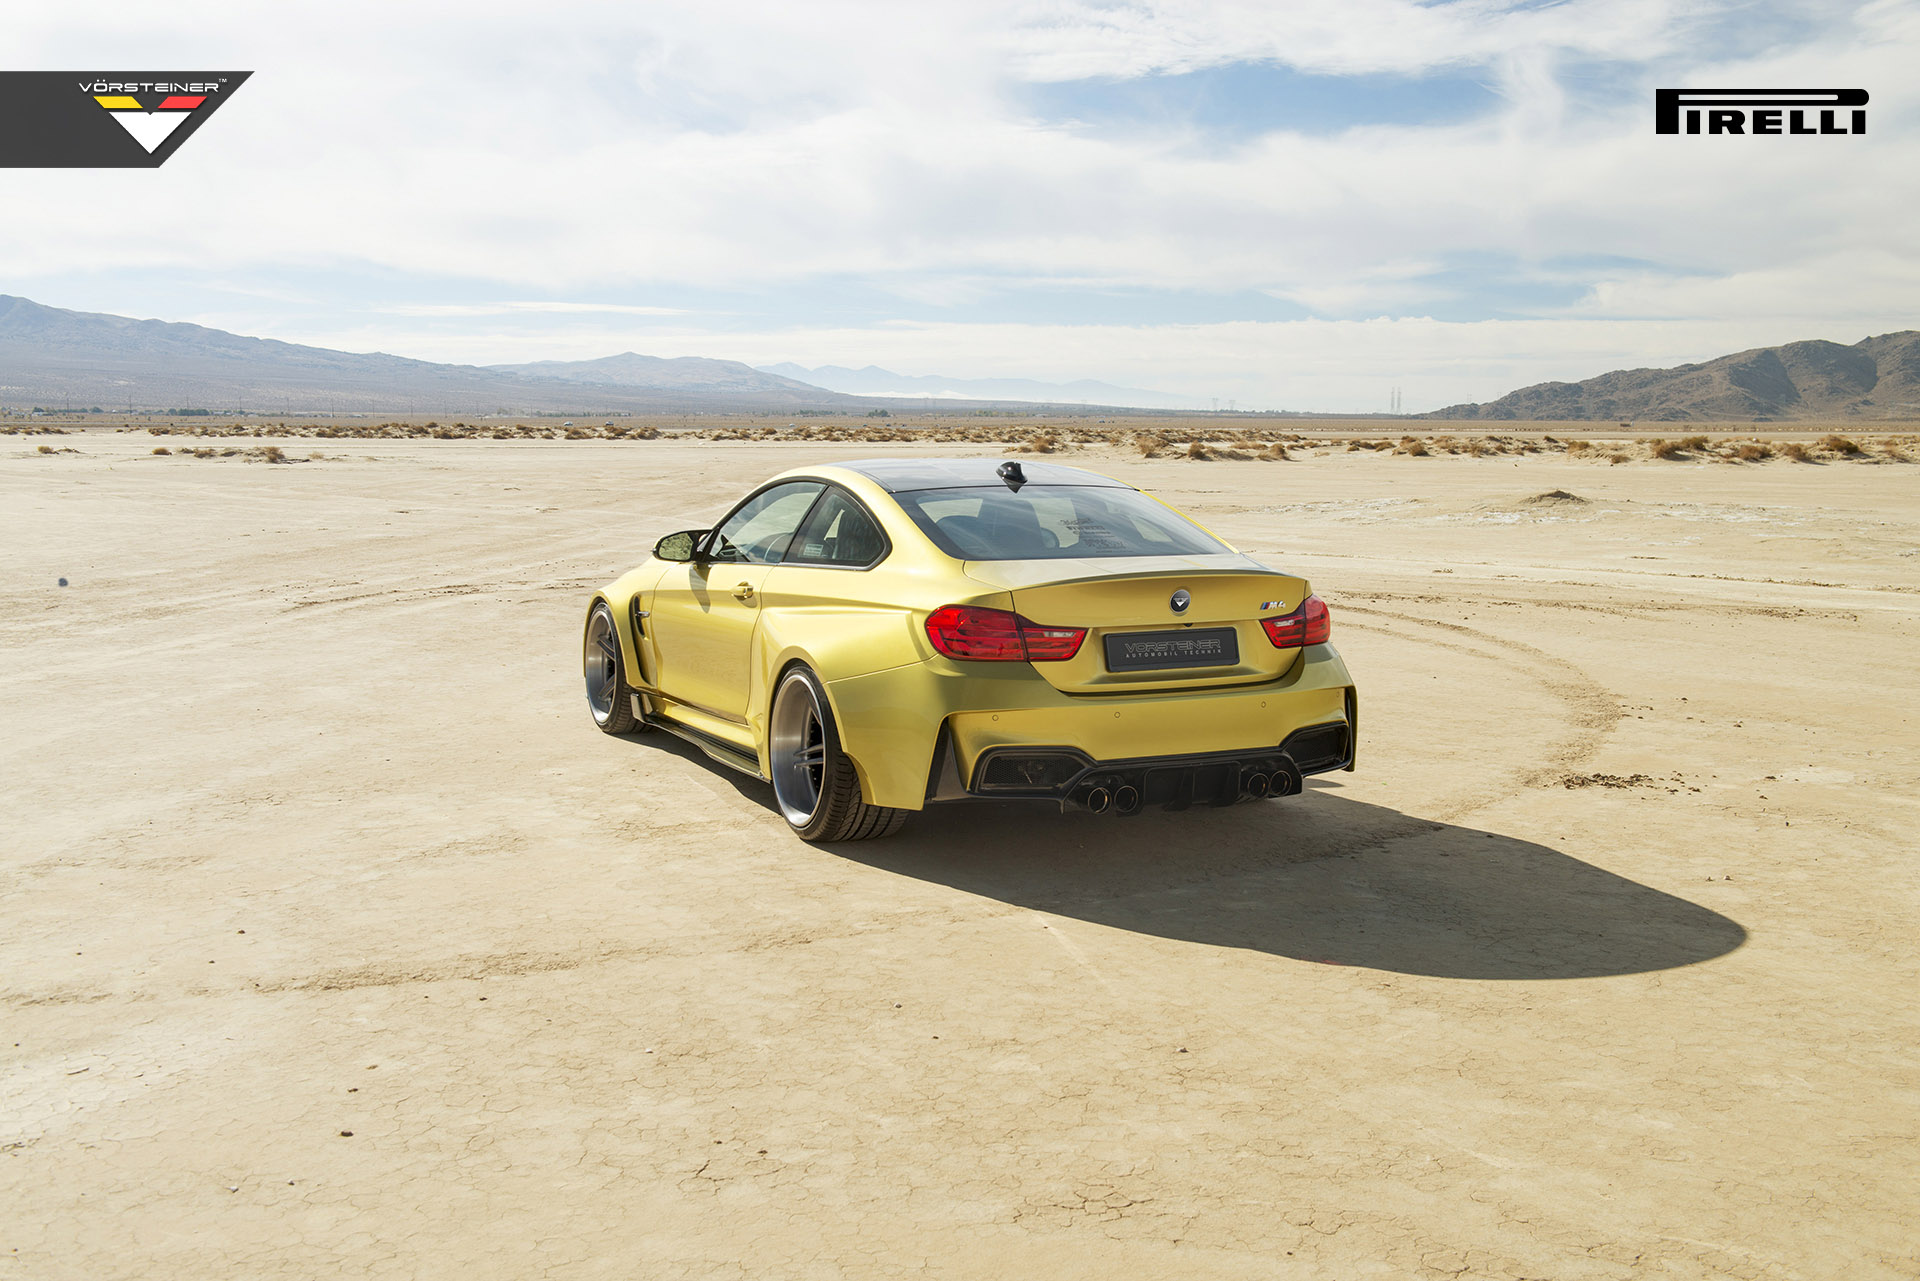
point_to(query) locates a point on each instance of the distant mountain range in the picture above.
(678, 374)
(875, 381)
(1874, 378)
(54, 357)
(51, 356)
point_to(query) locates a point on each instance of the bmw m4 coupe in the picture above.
(875, 637)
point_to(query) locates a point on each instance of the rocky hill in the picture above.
(1875, 378)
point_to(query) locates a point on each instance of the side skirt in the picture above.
(725, 753)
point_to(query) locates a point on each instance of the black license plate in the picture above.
(1152, 651)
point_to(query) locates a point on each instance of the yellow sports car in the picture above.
(874, 637)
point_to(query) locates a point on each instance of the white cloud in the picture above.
(533, 307)
(1079, 40)
(619, 149)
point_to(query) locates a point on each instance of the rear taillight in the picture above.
(998, 636)
(1308, 625)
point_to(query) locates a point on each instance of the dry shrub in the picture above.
(1042, 442)
(1839, 445)
(273, 454)
(1476, 448)
(1664, 448)
(162, 450)
(1617, 459)
(1148, 444)
(1794, 451)
(1576, 446)
(1694, 444)
(1414, 448)
(1277, 452)
(1199, 451)
(46, 449)
(1753, 451)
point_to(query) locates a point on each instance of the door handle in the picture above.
(743, 592)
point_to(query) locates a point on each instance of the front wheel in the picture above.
(608, 696)
(814, 782)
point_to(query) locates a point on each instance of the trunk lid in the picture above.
(1136, 641)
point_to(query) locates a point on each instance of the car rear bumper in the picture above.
(1126, 787)
(924, 732)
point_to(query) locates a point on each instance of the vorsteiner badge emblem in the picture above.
(1180, 601)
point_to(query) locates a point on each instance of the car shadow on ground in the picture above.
(1317, 878)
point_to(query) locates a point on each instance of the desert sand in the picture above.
(337, 942)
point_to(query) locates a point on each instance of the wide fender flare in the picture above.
(636, 584)
(622, 628)
(767, 677)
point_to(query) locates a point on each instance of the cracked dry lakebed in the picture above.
(338, 943)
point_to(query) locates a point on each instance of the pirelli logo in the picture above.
(1821, 112)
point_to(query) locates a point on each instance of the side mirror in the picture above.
(679, 547)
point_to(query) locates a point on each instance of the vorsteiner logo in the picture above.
(105, 120)
(1743, 111)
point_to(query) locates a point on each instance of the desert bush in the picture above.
(1794, 451)
(273, 454)
(1042, 442)
(1198, 450)
(162, 450)
(1576, 446)
(1617, 458)
(1414, 448)
(1753, 451)
(1664, 448)
(1694, 444)
(46, 449)
(1839, 445)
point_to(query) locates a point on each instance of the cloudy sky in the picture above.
(1295, 206)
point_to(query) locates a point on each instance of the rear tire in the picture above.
(813, 780)
(609, 698)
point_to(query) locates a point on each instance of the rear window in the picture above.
(1052, 522)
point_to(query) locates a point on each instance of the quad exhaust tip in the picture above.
(1268, 779)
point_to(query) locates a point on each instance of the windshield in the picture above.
(1053, 522)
